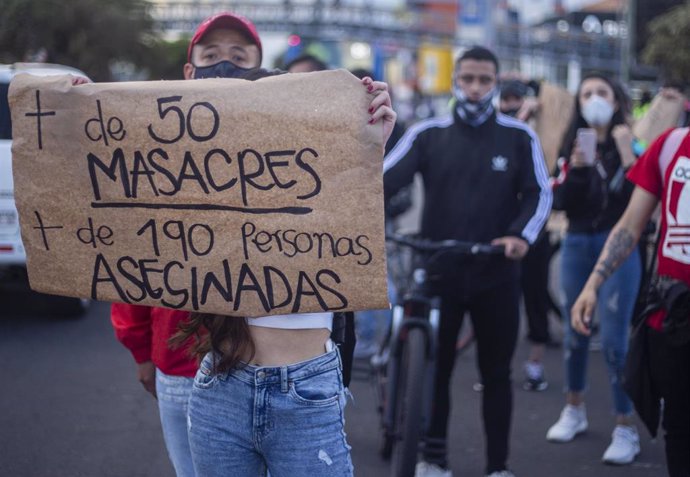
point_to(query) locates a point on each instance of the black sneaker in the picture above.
(534, 378)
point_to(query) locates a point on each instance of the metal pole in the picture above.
(490, 27)
(628, 43)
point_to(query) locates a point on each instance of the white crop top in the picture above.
(297, 321)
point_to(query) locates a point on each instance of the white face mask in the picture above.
(597, 111)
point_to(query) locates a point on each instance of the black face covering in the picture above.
(224, 69)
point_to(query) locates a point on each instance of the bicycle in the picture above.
(404, 369)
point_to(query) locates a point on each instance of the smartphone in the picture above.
(587, 141)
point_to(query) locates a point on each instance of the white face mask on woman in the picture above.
(597, 111)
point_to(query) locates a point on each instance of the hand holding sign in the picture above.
(227, 196)
(380, 107)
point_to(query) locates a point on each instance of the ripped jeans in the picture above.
(287, 420)
(615, 305)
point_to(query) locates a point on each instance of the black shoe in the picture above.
(535, 385)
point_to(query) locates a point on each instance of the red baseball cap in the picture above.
(225, 20)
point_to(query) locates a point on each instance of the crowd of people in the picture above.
(267, 395)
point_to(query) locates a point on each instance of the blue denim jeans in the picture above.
(372, 325)
(615, 305)
(288, 420)
(173, 395)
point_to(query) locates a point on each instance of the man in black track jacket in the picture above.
(485, 180)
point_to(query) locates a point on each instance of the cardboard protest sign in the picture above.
(226, 196)
(663, 113)
(556, 106)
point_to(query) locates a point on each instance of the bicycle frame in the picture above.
(406, 383)
(425, 313)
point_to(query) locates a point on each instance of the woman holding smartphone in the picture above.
(592, 189)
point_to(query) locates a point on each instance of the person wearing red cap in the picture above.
(226, 46)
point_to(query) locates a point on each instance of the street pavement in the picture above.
(70, 406)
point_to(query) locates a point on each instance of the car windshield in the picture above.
(5, 120)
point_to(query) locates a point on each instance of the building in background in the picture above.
(566, 44)
(412, 43)
(384, 36)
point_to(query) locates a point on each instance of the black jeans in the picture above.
(495, 318)
(671, 374)
(535, 283)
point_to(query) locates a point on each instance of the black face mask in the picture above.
(511, 112)
(224, 69)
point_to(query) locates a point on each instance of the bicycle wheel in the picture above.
(408, 419)
(380, 383)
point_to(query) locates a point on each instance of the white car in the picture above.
(12, 254)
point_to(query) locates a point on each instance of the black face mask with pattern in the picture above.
(474, 113)
(224, 69)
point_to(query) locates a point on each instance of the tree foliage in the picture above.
(666, 47)
(86, 34)
(168, 59)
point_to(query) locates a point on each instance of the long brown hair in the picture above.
(620, 116)
(226, 336)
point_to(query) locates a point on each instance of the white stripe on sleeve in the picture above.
(405, 142)
(536, 223)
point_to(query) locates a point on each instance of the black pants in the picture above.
(671, 367)
(495, 319)
(535, 283)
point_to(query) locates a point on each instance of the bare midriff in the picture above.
(280, 347)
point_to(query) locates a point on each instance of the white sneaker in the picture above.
(425, 469)
(573, 421)
(501, 473)
(380, 358)
(625, 445)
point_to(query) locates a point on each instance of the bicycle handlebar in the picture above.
(466, 248)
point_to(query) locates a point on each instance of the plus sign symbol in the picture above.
(39, 114)
(43, 228)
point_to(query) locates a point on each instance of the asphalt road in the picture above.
(70, 406)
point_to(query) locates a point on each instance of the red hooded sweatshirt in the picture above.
(145, 331)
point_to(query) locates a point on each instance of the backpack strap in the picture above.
(669, 150)
(343, 335)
